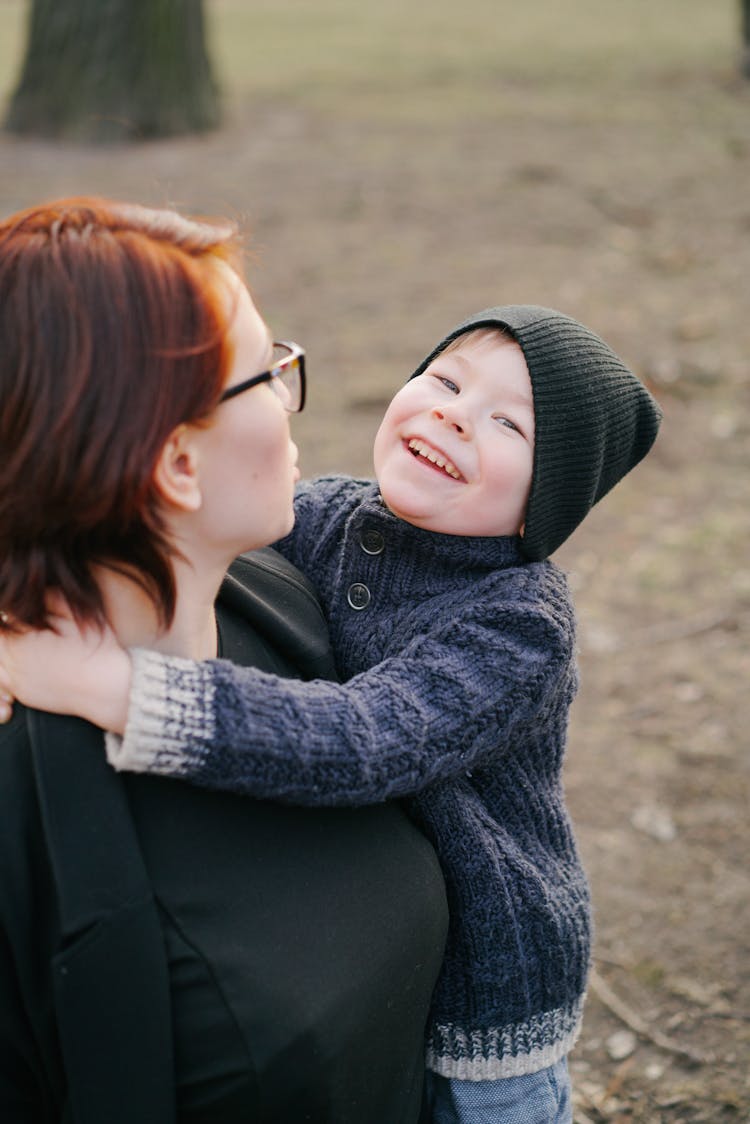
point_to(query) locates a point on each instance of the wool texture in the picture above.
(457, 662)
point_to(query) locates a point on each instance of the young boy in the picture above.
(454, 639)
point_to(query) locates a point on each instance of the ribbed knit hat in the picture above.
(594, 420)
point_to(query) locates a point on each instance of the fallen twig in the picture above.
(666, 631)
(617, 1081)
(736, 1016)
(604, 993)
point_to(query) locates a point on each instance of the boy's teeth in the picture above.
(434, 458)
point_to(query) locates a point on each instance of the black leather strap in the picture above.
(277, 601)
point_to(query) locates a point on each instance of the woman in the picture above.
(167, 953)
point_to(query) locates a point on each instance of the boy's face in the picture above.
(455, 450)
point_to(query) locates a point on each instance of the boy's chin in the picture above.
(408, 513)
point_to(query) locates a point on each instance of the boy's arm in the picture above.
(84, 671)
(443, 706)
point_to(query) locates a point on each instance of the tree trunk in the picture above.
(114, 70)
(745, 60)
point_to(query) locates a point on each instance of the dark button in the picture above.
(372, 542)
(358, 596)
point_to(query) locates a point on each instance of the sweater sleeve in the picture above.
(448, 702)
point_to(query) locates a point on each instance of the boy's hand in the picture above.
(81, 671)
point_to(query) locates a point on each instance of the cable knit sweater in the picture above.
(458, 669)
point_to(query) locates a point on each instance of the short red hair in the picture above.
(113, 330)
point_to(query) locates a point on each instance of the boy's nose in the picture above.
(454, 418)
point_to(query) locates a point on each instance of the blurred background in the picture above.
(397, 166)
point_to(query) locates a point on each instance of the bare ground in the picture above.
(373, 232)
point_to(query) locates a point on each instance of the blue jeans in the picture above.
(534, 1098)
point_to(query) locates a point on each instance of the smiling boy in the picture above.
(469, 417)
(454, 637)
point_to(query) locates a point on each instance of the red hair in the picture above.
(113, 326)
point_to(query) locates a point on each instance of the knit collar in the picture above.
(447, 552)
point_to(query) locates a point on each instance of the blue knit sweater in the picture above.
(458, 669)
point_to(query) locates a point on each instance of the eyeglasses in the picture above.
(286, 376)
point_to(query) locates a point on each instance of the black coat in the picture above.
(173, 954)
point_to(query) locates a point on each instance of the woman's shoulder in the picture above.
(21, 837)
(17, 789)
(14, 742)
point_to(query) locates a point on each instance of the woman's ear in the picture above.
(176, 473)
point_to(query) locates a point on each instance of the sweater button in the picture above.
(358, 596)
(372, 542)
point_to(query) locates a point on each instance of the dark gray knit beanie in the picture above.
(594, 419)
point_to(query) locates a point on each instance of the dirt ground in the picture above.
(372, 234)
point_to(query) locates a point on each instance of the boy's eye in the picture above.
(508, 422)
(448, 384)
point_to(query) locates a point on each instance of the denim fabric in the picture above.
(536, 1098)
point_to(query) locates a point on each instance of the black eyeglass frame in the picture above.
(296, 355)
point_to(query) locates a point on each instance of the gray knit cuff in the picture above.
(495, 1053)
(170, 723)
